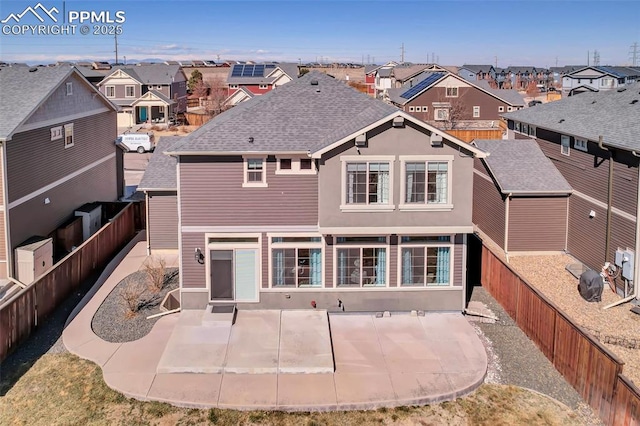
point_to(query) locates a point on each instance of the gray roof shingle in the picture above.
(520, 166)
(22, 92)
(153, 73)
(611, 114)
(295, 117)
(510, 96)
(161, 170)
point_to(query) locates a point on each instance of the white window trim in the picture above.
(501, 108)
(263, 86)
(125, 91)
(532, 131)
(158, 86)
(412, 109)
(68, 131)
(565, 149)
(404, 159)
(56, 133)
(447, 95)
(106, 91)
(301, 245)
(451, 246)
(233, 86)
(361, 246)
(246, 183)
(69, 86)
(580, 144)
(231, 246)
(296, 168)
(435, 113)
(343, 182)
(476, 111)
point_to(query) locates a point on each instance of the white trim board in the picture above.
(59, 182)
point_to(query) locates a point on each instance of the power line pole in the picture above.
(596, 58)
(402, 54)
(634, 54)
(116, 40)
(556, 61)
(496, 60)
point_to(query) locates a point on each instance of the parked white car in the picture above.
(140, 142)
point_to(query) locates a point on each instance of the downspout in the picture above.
(636, 257)
(607, 241)
(146, 213)
(506, 226)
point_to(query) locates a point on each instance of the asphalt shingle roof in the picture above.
(161, 170)
(520, 166)
(477, 68)
(611, 114)
(295, 117)
(153, 73)
(22, 91)
(510, 96)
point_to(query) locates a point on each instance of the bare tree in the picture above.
(215, 102)
(201, 89)
(452, 114)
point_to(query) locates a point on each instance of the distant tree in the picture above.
(196, 76)
(360, 87)
(215, 102)
(201, 89)
(532, 89)
(303, 71)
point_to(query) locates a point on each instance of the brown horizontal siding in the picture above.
(193, 273)
(586, 235)
(163, 220)
(622, 236)
(488, 209)
(537, 224)
(625, 183)
(211, 193)
(584, 172)
(34, 161)
(458, 265)
(33, 217)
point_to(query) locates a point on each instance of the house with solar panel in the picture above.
(315, 195)
(150, 93)
(466, 109)
(248, 80)
(597, 78)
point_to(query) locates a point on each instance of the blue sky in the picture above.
(529, 32)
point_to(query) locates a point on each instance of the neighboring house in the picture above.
(558, 73)
(478, 72)
(370, 78)
(592, 139)
(451, 103)
(594, 79)
(57, 152)
(520, 199)
(259, 78)
(318, 195)
(519, 78)
(150, 93)
(382, 78)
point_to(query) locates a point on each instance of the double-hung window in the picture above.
(367, 183)
(361, 261)
(425, 261)
(255, 172)
(296, 262)
(426, 182)
(110, 91)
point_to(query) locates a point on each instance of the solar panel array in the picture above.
(610, 71)
(421, 85)
(248, 70)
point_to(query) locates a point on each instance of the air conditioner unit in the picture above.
(361, 140)
(436, 139)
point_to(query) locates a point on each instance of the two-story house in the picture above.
(597, 78)
(318, 195)
(478, 72)
(247, 80)
(460, 107)
(57, 153)
(150, 93)
(592, 139)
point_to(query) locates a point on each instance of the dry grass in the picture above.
(65, 390)
(547, 274)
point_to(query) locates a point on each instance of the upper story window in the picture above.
(129, 91)
(233, 86)
(255, 172)
(412, 109)
(69, 88)
(500, 108)
(263, 86)
(565, 144)
(306, 164)
(476, 112)
(580, 144)
(441, 114)
(367, 182)
(68, 135)
(426, 182)
(290, 166)
(110, 91)
(452, 92)
(285, 164)
(158, 86)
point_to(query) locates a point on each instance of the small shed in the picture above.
(520, 199)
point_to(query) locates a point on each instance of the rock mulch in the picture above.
(616, 328)
(112, 321)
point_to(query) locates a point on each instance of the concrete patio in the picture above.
(287, 360)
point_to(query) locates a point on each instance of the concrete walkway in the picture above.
(283, 360)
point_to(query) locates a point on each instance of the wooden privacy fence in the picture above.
(593, 371)
(22, 313)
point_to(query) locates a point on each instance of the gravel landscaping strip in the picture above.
(112, 321)
(514, 359)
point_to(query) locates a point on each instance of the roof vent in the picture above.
(314, 82)
(633, 102)
(361, 140)
(622, 89)
(34, 69)
(250, 139)
(398, 122)
(561, 120)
